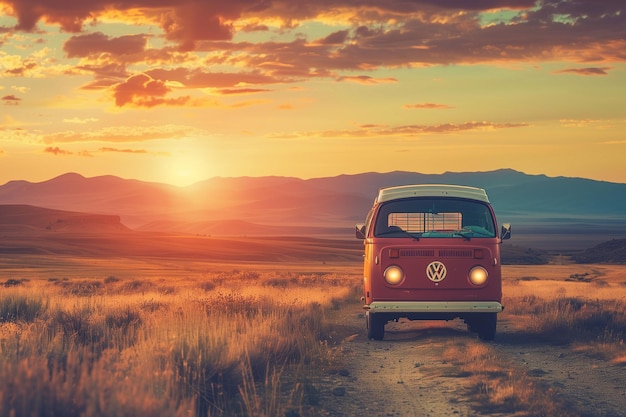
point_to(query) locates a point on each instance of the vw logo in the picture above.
(436, 271)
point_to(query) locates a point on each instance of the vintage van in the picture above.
(432, 252)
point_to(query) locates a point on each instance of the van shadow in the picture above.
(410, 332)
(428, 331)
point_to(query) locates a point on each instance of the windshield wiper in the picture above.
(464, 233)
(404, 232)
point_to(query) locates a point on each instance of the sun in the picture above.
(186, 169)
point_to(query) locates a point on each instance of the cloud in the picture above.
(56, 151)
(94, 44)
(11, 100)
(141, 90)
(197, 78)
(426, 106)
(22, 69)
(120, 134)
(131, 151)
(410, 130)
(20, 89)
(134, 151)
(366, 79)
(335, 38)
(76, 120)
(364, 36)
(585, 123)
(419, 31)
(374, 130)
(227, 91)
(586, 71)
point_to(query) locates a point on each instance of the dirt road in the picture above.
(408, 374)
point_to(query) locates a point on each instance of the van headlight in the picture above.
(393, 275)
(478, 275)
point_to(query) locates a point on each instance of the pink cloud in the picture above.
(56, 151)
(335, 38)
(586, 71)
(366, 79)
(141, 90)
(227, 91)
(96, 43)
(11, 100)
(426, 106)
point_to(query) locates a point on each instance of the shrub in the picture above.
(81, 288)
(572, 319)
(207, 286)
(77, 327)
(14, 307)
(111, 279)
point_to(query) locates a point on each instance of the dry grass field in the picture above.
(137, 336)
(161, 338)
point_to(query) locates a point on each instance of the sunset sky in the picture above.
(178, 91)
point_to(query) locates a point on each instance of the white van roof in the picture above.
(431, 190)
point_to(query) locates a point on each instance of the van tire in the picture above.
(375, 326)
(486, 327)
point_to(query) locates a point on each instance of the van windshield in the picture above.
(435, 217)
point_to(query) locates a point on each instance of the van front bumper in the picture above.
(434, 307)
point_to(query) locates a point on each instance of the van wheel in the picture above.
(486, 327)
(375, 326)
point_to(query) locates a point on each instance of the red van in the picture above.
(432, 252)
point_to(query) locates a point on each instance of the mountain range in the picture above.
(320, 206)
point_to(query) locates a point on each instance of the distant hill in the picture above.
(14, 218)
(29, 230)
(554, 208)
(612, 251)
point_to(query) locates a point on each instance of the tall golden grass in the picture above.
(578, 304)
(211, 344)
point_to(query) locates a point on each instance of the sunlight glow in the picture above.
(186, 169)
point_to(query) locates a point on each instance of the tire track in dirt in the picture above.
(403, 375)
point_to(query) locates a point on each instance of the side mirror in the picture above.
(505, 233)
(360, 231)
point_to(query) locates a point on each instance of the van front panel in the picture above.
(426, 248)
(437, 270)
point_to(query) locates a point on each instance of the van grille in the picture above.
(417, 252)
(456, 253)
(442, 253)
